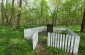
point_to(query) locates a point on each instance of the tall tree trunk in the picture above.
(83, 23)
(53, 17)
(2, 12)
(19, 14)
(74, 23)
(56, 15)
(6, 12)
(12, 14)
(4, 16)
(42, 10)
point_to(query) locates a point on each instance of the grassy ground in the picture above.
(12, 42)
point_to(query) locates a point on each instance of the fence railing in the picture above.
(62, 38)
(32, 34)
(35, 39)
(66, 40)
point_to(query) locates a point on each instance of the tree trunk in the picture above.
(42, 10)
(83, 23)
(56, 15)
(2, 13)
(6, 12)
(12, 13)
(53, 17)
(19, 14)
(4, 16)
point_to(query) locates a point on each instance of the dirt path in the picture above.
(40, 48)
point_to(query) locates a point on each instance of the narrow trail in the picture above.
(40, 48)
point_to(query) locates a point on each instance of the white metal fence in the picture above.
(35, 40)
(62, 38)
(68, 41)
(32, 34)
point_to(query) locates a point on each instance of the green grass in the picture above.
(82, 43)
(12, 41)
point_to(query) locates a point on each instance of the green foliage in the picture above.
(13, 43)
(39, 11)
(17, 46)
(55, 51)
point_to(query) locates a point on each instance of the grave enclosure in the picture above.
(62, 38)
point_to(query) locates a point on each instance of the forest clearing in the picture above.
(30, 27)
